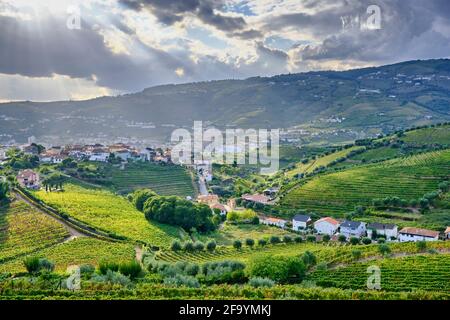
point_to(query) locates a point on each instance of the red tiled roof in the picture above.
(420, 232)
(447, 230)
(329, 220)
(256, 198)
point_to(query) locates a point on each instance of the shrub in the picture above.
(309, 259)
(175, 246)
(366, 240)
(384, 249)
(261, 282)
(211, 245)
(237, 244)
(188, 246)
(322, 266)
(31, 264)
(298, 239)
(326, 238)
(281, 269)
(287, 239)
(342, 238)
(46, 265)
(274, 240)
(250, 242)
(104, 266)
(354, 240)
(356, 254)
(182, 281)
(199, 246)
(112, 278)
(421, 246)
(192, 269)
(130, 269)
(311, 238)
(87, 269)
(262, 242)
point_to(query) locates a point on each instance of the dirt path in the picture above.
(74, 233)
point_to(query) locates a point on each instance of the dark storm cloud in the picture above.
(407, 29)
(171, 11)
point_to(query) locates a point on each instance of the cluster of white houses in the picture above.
(358, 229)
(97, 152)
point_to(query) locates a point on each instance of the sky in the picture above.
(72, 49)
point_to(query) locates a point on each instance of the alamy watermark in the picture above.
(234, 146)
(374, 279)
(73, 21)
(370, 20)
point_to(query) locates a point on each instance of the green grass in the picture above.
(164, 180)
(339, 192)
(229, 233)
(77, 252)
(103, 210)
(23, 229)
(427, 272)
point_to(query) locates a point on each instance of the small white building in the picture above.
(281, 223)
(410, 234)
(353, 229)
(300, 222)
(326, 225)
(390, 231)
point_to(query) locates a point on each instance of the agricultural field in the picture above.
(230, 232)
(319, 162)
(339, 192)
(164, 180)
(77, 252)
(106, 211)
(423, 272)
(25, 230)
(330, 253)
(426, 136)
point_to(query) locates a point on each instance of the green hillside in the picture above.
(103, 210)
(164, 180)
(339, 192)
(23, 230)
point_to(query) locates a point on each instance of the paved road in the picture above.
(202, 188)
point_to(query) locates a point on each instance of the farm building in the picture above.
(28, 179)
(415, 234)
(273, 222)
(300, 222)
(209, 199)
(353, 229)
(326, 225)
(390, 231)
(256, 198)
(221, 207)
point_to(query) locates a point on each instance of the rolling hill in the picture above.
(339, 106)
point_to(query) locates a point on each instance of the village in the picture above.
(120, 153)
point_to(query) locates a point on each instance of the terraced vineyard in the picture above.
(24, 230)
(399, 274)
(339, 192)
(322, 161)
(103, 210)
(77, 252)
(440, 135)
(164, 180)
(328, 253)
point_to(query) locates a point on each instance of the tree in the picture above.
(342, 238)
(250, 242)
(281, 269)
(4, 188)
(199, 246)
(188, 246)
(366, 240)
(175, 246)
(211, 246)
(262, 242)
(237, 244)
(139, 197)
(326, 238)
(309, 259)
(421, 246)
(354, 240)
(384, 249)
(311, 238)
(444, 186)
(356, 254)
(287, 239)
(274, 240)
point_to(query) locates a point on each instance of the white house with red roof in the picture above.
(326, 225)
(410, 234)
(28, 179)
(281, 223)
